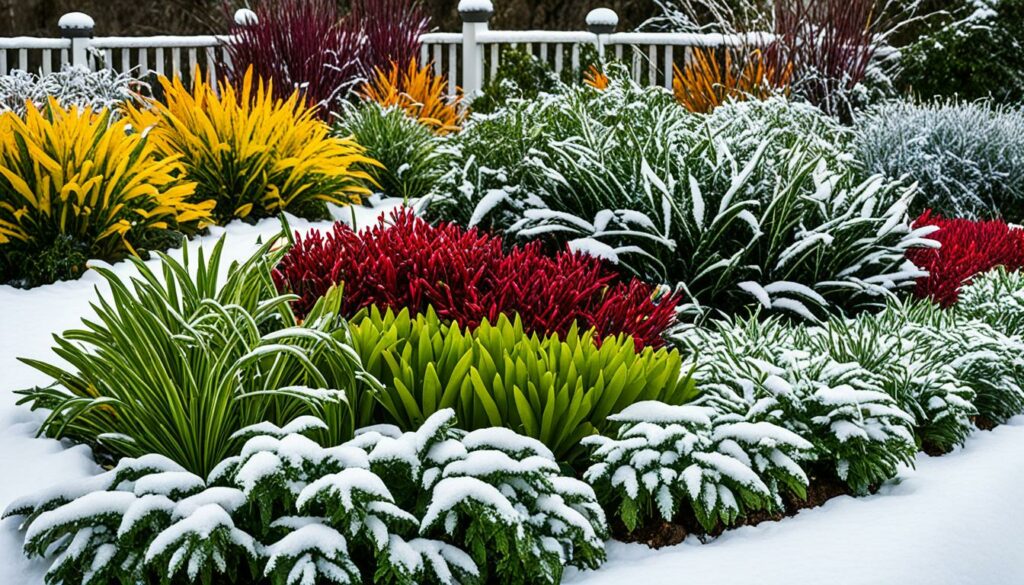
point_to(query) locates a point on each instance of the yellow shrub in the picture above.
(78, 177)
(253, 155)
(706, 82)
(420, 93)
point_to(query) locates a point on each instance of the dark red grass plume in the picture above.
(466, 277)
(310, 46)
(828, 43)
(967, 248)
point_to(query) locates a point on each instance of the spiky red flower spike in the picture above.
(466, 276)
(967, 248)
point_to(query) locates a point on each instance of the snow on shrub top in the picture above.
(967, 158)
(465, 513)
(755, 193)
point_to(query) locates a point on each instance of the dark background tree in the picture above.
(148, 17)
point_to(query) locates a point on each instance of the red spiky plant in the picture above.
(466, 276)
(967, 248)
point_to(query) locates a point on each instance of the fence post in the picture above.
(475, 16)
(602, 22)
(78, 27)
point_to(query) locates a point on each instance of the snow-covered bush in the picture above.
(72, 86)
(763, 372)
(407, 150)
(557, 389)
(996, 298)
(176, 362)
(982, 358)
(921, 380)
(733, 209)
(971, 51)
(431, 506)
(663, 457)
(967, 158)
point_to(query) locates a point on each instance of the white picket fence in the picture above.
(468, 59)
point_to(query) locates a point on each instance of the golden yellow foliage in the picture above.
(80, 174)
(253, 155)
(418, 92)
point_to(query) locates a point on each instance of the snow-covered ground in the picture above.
(957, 519)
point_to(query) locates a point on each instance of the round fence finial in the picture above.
(602, 21)
(476, 10)
(76, 24)
(246, 17)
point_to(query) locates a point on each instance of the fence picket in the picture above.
(476, 52)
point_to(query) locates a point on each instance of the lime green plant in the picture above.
(552, 389)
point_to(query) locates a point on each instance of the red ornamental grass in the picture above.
(466, 277)
(311, 46)
(967, 248)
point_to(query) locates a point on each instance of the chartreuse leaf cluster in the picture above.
(554, 389)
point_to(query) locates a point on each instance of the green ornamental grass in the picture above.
(548, 388)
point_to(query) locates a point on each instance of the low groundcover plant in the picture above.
(432, 506)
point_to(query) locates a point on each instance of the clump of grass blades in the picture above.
(176, 364)
(409, 157)
(557, 389)
(252, 154)
(753, 202)
(709, 80)
(74, 181)
(419, 93)
(309, 46)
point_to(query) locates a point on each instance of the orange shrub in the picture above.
(706, 81)
(420, 93)
(595, 78)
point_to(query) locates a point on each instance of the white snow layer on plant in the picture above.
(508, 482)
(72, 86)
(755, 196)
(899, 535)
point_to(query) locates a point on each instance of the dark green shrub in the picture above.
(976, 53)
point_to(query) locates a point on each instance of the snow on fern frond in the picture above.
(173, 484)
(344, 488)
(201, 542)
(661, 413)
(300, 425)
(313, 553)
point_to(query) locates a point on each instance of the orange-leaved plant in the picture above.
(251, 153)
(596, 79)
(707, 81)
(420, 93)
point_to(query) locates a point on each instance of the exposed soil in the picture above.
(658, 533)
(984, 423)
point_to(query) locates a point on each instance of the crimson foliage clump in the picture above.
(466, 276)
(967, 248)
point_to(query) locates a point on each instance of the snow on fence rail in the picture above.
(468, 59)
